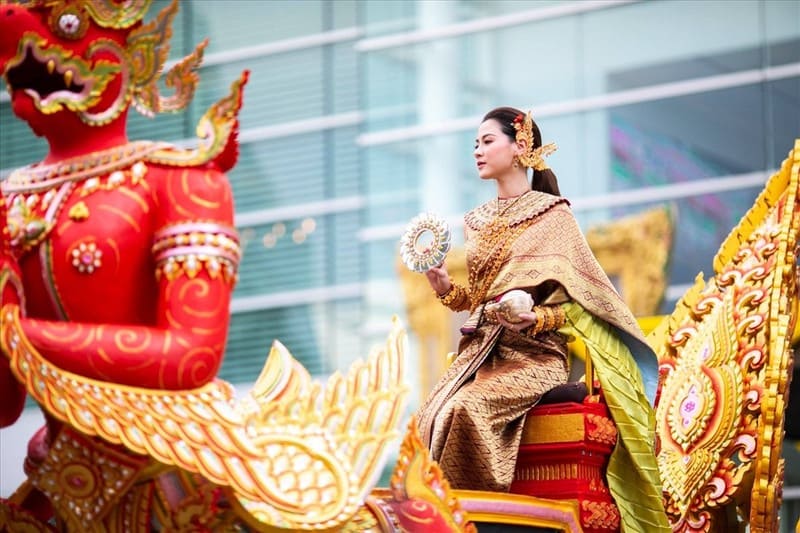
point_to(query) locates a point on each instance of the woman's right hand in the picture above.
(439, 279)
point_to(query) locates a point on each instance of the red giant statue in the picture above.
(118, 262)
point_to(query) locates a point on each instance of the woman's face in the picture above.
(494, 151)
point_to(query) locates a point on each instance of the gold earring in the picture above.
(515, 162)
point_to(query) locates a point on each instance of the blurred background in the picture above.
(360, 114)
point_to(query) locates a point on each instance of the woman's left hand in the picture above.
(528, 320)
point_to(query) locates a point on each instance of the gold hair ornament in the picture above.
(534, 157)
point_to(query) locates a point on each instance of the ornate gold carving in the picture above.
(125, 159)
(635, 250)
(726, 357)
(295, 455)
(600, 515)
(215, 131)
(108, 14)
(84, 478)
(418, 481)
(147, 51)
(93, 78)
(79, 211)
(601, 429)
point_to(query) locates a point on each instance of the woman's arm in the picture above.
(450, 294)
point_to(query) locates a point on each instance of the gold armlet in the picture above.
(187, 248)
(454, 297)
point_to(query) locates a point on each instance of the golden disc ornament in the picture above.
(425, 242)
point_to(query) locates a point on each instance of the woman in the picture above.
(527, 239)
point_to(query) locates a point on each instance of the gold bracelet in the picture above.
(548, 318)
(551, 319)
(445, 293)
(453, 295)
(533, 330)
(561, 317)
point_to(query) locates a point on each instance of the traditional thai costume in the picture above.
(472, 420)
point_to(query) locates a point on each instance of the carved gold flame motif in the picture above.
(725, 356)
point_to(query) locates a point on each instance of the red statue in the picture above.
(118, 262)
(123, 254)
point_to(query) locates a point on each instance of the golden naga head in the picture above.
(91, 57)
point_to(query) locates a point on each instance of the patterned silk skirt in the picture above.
(472, 420)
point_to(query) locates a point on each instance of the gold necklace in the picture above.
(494, 240)
(39, 177)
(511, 203)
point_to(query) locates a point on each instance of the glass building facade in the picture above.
(361, 114)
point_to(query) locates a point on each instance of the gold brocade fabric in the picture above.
(478, 405)
(472, 419)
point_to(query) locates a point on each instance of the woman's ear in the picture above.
(521, 147)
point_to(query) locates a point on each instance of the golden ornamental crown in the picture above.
(105, 13)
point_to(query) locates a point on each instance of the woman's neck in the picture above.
(514, 186)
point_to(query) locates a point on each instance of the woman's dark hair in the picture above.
(543, 180)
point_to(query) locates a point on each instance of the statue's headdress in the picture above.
(533, 157)
(141, 56)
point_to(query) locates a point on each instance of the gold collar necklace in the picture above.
(39, 177)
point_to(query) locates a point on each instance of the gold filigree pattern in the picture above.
(107, 13)
(533, 157)
(215, 130)
(295, 454)
(420, 490)
(123, 159)
(725, 356)
(601, 429)
(84, 479)
(182, 77)
(600, 515)
(635, 251)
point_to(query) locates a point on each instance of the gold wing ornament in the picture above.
(291, 453)
(725, 356)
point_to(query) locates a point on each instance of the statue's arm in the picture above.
(196, 255)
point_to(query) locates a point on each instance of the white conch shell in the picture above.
(511, 304)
